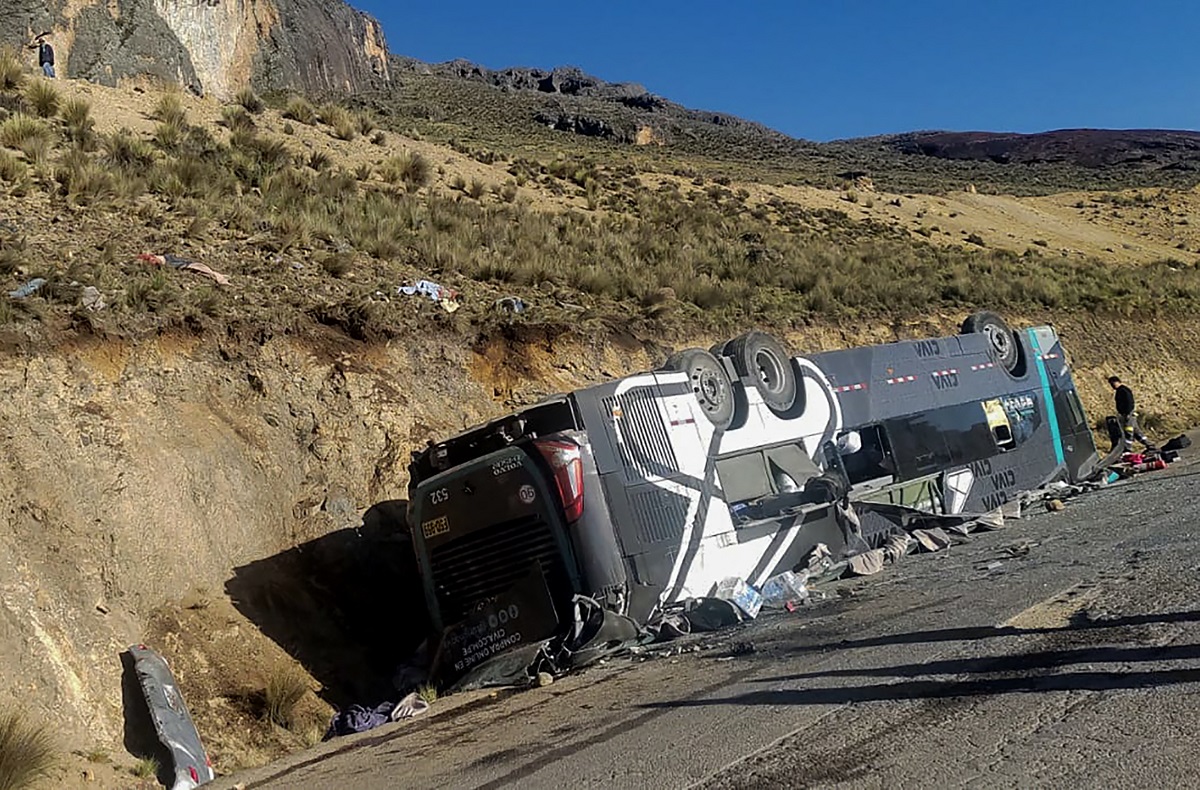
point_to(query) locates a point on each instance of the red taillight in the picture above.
(566, 463)
(195, 776)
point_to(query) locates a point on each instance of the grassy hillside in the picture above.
(318, 215)
(453, 108)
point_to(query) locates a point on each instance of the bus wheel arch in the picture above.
(1003, 343)
(763, 360)
(709, 382)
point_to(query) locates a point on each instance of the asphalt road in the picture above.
(1073, 663)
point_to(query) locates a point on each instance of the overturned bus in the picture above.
(652, 488)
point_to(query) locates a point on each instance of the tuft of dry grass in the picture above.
(11, 168)
(27, 751)
(41, 97)
(300, 110)
(341, 121)
(122, 150)
(285, 688)
(168, 135)
(169, 110)
(145, 768)
(408, 167)
(77, 113)
(83, 179)
(250, 101)
(366, 124)
(27, 135)
(319, 161)
(12, 71)
(237, 119)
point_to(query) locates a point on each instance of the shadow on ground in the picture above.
(348, 606)
(1078, 623)
(1025, 672)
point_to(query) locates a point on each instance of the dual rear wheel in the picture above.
(761, 361)
(757, 359)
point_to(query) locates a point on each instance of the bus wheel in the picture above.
(709, 383)
(762, 359)
(1002, 342)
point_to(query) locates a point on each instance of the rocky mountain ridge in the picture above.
(212, 47)
(571, 100)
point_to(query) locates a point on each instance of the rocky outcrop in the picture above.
(213, 47)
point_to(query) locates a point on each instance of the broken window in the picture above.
(873, 460)
(764, 483)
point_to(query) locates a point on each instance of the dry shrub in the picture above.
(18, 129)
(42, 98)
(12, 72)
(77, 113)
(300, 110)
(27, 751)
(285, 688)
(170, 110)
(11, 168)
(409, 168)
(250, 101)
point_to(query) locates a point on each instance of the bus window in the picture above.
(873, 460)
(997, 420)
(763, 483)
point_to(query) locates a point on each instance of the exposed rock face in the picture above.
(209, 46)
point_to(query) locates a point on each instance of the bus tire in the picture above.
(1003, 343)
(709, 382)
(762, 359)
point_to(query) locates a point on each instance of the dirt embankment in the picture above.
(194, 493)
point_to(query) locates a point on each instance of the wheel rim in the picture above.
(707, 388)
(1001, 342)
(769, 372)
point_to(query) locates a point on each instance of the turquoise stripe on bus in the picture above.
(1051, 412)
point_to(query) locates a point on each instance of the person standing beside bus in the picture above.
(1127, 415)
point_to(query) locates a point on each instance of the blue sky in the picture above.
(832, 69)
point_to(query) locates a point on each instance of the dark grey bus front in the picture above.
(504, 533)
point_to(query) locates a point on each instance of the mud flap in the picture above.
(172, 721)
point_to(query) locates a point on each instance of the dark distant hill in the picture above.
(1098, 148)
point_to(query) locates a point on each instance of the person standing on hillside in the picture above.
(45, 55)
(1127, 415)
